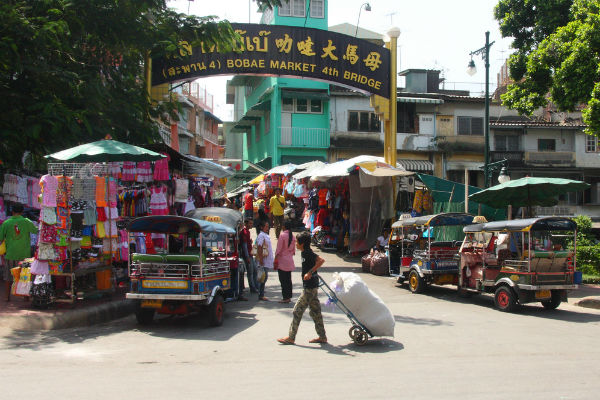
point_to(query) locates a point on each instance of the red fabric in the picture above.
(323, 197)
(321, 216)
(248, 199)
(101, 214)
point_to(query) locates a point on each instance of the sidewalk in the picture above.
(19, 314)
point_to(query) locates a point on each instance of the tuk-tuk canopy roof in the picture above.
(525, 225)
(175, 224)
(221, 215)
(443, 219)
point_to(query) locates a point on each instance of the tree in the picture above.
(557, 55)
(72, 71)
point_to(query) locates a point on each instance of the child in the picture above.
(309, 297)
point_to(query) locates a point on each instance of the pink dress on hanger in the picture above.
(129, 171)
(49, 186)
(158, 201)
(144, 171)
(161, 168)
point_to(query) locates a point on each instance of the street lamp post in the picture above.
(367, 7)
(484, 52)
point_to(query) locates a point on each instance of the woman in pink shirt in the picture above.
(284, 260)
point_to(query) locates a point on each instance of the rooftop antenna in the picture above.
(391, 15)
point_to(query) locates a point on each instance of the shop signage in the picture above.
(279, 50)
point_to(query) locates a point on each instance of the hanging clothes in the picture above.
(144, 171)
(181, 190)
(129, 171)
(100, 191)
(49, 185)
(158, 201)
(161, 168)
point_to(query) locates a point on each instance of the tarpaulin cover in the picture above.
(442, 189)
(175, 224)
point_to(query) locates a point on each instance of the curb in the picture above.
(71, 319)
(589, 302)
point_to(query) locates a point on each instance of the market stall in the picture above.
(78, 236)
(354, 197)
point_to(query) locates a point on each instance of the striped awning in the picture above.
(416, 165)
(421, 100)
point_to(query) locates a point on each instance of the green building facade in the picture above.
(284, 119)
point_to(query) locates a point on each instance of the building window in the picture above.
(406, 117)
(287, 104)
(303, 106)
(506, 142)
(316, 106)
(317, 8)
(292, 8)
(591, 144)
(546, 145)
(470, 126)
(363, 121)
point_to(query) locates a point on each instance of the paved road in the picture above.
(444, 347)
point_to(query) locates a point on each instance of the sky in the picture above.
(435, 34)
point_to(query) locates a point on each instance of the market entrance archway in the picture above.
(279, 50)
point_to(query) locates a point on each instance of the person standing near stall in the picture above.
(264, 257)
(246, 242)
(284, 261)
(277, 205)
(15, 231)
(249, 205)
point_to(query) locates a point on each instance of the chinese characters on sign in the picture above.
(288, 51)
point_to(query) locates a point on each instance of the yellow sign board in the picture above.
(160, 284)
(212, 218)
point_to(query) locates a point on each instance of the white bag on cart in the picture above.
(366, 306)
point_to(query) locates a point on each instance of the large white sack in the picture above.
(366, 306)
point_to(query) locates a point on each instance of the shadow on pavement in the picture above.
(374, 345)
(448, 293)
(402, 319)
(39, 340)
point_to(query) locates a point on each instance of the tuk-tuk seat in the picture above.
(147, 258)
(182, 258)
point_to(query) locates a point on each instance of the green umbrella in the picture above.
(527, 192)
(104, 151)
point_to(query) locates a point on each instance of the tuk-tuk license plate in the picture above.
(151, 303)
(543, 294)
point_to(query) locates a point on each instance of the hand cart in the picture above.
(358, 332)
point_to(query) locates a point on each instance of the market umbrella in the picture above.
(379, 168)
(527, 192)
(105, 151)
(257, 180)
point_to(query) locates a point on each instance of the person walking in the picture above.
(264, 257)
(284, 261)
(277, 205)
(309, 297)
(15, 231)
(246, 243)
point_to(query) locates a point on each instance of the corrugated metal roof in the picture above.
(534, 124)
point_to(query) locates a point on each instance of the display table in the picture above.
(78, 290)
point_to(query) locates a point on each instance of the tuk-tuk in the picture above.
(232, 219)
(520, 261)
(434, 259)
(193, 278)
(401, 244)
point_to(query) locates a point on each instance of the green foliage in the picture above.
(588, 259)
(584, 231)
(557, 56)
(72, 71)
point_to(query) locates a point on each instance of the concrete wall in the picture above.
(339, 107)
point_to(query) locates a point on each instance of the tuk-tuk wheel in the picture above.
(505, 299)
(354, 331)
(416, 284)
(554, 301)
(145, 316)
(216, 311)
(361, 338)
